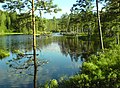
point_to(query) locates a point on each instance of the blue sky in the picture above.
(65, 5)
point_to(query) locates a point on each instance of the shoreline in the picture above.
(11, 33)
(24, 34)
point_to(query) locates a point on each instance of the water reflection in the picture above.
(68, 45)
(76, 48)
(35, 77)
(57, 56)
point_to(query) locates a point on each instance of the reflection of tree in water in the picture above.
(23, 62)
(70, 46)
(16, 42)
(22, 43)
(76, 48)
(89, 47)
(23, 65)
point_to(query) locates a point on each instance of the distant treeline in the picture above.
(76, 22)
(21, 23)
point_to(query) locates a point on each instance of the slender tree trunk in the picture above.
(118, 38)
(88, 40)
(35, 77)
(67, 30)
(77, 28)
(34, 45)
(82, 29)
(117, 35)
(99, 27)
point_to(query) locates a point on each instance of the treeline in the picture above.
(81, 20)
(11, 22)
(21, 23)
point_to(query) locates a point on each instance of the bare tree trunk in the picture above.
(34, 45)
(99, 27)
(77, 28)
(68, 30)
(118, 38)
(35, 76)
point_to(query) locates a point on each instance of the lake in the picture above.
(57, 56)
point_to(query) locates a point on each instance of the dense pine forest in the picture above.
(101, 28)
(21, 23)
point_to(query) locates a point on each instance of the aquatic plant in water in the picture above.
(3, 53)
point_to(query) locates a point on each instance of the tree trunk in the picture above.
(34, 45)
(118, 38)
(99, 27)
(68, 30)
(77, 28)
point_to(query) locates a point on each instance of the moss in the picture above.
(3, 53)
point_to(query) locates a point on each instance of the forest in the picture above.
(81, 20)
(100, 68)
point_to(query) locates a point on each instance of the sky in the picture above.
(65, 5)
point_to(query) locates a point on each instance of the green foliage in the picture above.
(22, 22)
(2, 22)
(13, 22)
(52, 84)
(40, 5)
(82, 19)
(3, 53)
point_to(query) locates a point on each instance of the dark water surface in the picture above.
(58, 56)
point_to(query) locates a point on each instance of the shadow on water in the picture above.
(56, 56)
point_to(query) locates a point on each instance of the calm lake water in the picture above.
(57, 56)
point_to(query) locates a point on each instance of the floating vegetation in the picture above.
(16, 51)
(3, 53)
